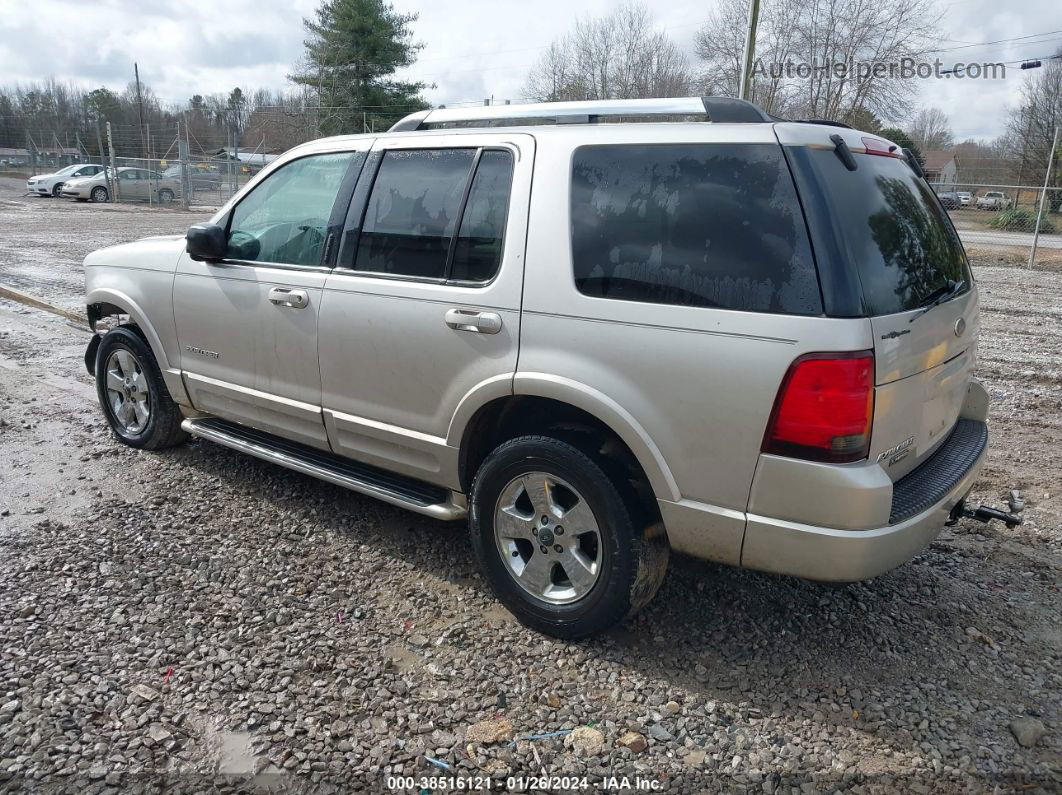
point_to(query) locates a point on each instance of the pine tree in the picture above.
(352, 53)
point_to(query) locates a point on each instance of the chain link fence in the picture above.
(1004, 221)
(198, 181)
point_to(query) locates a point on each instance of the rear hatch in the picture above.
(905, 268)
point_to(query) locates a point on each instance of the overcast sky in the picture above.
(474, 48)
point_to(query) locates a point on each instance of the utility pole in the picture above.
(140, 105)
(112, 183)
(33, 153)
(745, 83)
(1021, 165)
(182, 157)
(1043, 196)
(103, 154)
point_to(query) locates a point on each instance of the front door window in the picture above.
(285, 219)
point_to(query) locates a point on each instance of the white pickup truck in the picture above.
(993, 200)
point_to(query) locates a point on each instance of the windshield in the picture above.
(67, 170)
(894, 231)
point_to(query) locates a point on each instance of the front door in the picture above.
(247, 325)
(423, 309)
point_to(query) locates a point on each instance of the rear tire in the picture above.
(133, 394)
(600, 561)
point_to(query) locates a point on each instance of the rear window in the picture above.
(891, 227)
(709, 225)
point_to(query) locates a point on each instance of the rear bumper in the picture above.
(922, 502)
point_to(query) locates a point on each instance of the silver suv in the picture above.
(697, 328)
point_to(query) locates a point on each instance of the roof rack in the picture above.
(725, 110)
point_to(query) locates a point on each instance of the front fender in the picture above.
(167, 357)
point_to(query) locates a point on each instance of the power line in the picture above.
(999, 41)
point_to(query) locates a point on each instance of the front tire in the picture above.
(57, 189)
(99, 194)
(135, 401)
(558, 543)
(165, 196)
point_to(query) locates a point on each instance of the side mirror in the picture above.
(206, 242)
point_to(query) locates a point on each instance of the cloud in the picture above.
(474, 49)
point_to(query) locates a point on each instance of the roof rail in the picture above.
(725, 110)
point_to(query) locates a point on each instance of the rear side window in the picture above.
(891, 227)
(412, 212)
(710, 225)
(437, 214)
(477, 251)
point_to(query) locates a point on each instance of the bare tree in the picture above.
(815, 58)
(1031, 128)
(931, 129)
(620, 56)
(981, 163)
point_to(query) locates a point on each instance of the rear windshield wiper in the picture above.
(840, 147)
(939, 296)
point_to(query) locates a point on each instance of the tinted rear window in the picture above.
(712, 225)
(412, 212)
(891, 228)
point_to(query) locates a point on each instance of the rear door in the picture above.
(423, 309)
(247, 325)
(915, 285)
(133, 186)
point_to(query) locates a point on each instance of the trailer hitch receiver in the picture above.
(983, 513)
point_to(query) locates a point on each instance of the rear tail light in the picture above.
(824, 409)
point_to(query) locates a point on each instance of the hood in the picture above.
(151, 253)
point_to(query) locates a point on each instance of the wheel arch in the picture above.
(106, 301)
(536, 402)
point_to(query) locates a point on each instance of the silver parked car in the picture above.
(133, 184)
(746, 340)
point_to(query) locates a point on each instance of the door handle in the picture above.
(474, 321)
(282, 296)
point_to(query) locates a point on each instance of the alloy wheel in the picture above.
(548, 537)
(128, 392)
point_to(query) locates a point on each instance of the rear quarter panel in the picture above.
(698, 383)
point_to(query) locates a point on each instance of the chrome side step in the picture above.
(414, 495)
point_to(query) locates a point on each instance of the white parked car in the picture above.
(52, 184)
(965, 198)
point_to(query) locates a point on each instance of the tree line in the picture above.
(347, 82)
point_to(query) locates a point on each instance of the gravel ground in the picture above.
(196, 619)
(45, 240)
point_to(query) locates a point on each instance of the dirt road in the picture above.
(196, 618)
